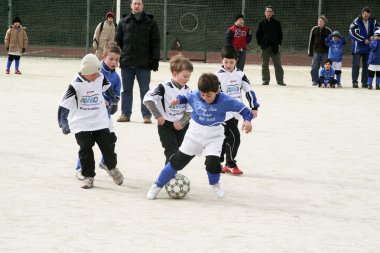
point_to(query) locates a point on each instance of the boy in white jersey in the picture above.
(205, 134)
(172, 120)
(83, 112)
(232, 81)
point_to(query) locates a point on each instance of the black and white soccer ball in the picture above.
(178, 186)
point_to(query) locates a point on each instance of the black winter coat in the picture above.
(139, 41)
(317, 40)
(269, 34)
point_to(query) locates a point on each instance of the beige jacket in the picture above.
(101, 39)
(16, 39)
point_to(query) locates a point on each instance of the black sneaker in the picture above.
(282, 84)
(369, 87)
(355, 85)
(265, 83)
(364, 85)
(314, 83)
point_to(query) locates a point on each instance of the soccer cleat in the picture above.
(88, 183)
(116, 175)
(124, 118)
(236, 171)
(18, 72)
(78, 174)
(147, 120)
(226, 169)
(7, 71)
(153, 192)
(104, 167)
(219, 192)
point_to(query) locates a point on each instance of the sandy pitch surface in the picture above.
(310, 183)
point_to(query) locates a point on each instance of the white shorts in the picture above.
(203, 139)
(337, 65)
(374, 67)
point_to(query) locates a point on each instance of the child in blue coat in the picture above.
(374, 61)
(336, 42)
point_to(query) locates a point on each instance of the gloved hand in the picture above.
(112, 108)
(65, 129)
(7, 48)
(23, 50)
(153, 65)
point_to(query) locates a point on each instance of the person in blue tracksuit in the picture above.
(361, 30)
(374, 61)
(336, 42)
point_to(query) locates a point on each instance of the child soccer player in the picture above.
(326, 75)
(205, 134)
(83, 111)
(336, 42)
(16, 42)
(374, 61)
(111, 57)
(232, 81)
(172, 120)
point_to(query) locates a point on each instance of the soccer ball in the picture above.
(178, 186)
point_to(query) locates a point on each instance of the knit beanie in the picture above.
(16, 19)
(239, 16)
(90, 64)
(110, 14)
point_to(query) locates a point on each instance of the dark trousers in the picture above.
(171, 139)
(356, 66)
(231, 142)
(276, 60)
(241, 60)
(86, 140)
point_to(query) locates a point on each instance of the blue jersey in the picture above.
(215, 113)
(335, 48)
(113, 78)
(374, 55)
(326, 76)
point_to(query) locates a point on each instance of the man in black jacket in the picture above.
(269, 38)
(138, 36)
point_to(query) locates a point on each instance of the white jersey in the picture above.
(231, 83)
(85, 102)
(163, 94)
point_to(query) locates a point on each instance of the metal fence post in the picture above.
(9, 12)
(165, 53)
(88, 26)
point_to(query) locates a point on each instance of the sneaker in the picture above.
(314, 83)
(147, 120)
(364, 85)
(88, 183)
(78, 175)
(18, 72)
(226, 169)
(236, 171)
(355, 85)
(281, 84)
(7, 71)
(265, 83)
(377, 87)
(104, 167)
(339, 85)
(219, 192)
(116, 175)
(153, 192)
(369, 86)
(124, 118)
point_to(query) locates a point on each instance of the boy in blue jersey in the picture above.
(374, 61)
(205, 134)
(111, 57)
(232, 82)
(336, 42)
(326, 75)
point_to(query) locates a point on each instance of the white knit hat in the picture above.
(90, 64)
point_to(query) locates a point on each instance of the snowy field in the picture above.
(311, 178)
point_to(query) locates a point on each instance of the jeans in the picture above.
(356, 66)
(316, 63)
(241, 60)
(276, 59)
(128, 77)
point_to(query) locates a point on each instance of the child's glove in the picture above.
(65, 128)
(112, 108)
(153, 65)
(23, 50)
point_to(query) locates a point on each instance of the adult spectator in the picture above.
(269, 38)
(104, 34)
(239, 35)
(318, 48)
(139, 38)
(361, 31)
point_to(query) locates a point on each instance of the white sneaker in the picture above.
(153, 192)
(116, 175)
(219, 192)
(78, 175)
(88, 182)
(104, 167)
